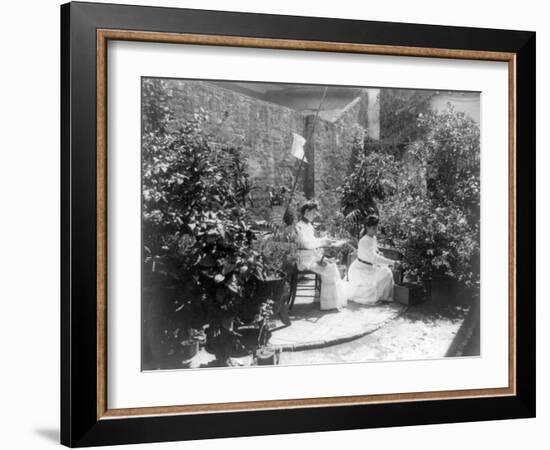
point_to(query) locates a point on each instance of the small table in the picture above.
(336, 244)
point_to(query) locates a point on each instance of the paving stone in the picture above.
(313, 328)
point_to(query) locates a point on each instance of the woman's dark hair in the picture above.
(309, 206)
(371, 221)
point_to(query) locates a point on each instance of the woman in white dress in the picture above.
(370, 277)
(310, 257)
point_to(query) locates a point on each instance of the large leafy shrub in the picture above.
(428, 201)
(450, 149)
(435, 239)
(373, 177)
(196, 236)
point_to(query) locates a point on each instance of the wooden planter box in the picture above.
(408, 294)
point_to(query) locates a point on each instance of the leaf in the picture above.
(220, 294)
(207, 261)
(228, 267)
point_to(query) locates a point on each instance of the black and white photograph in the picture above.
(293, 224)
(275, 225)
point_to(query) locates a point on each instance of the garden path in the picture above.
(432, 330)
(312, 328)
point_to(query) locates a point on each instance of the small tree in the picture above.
(450, 148)
(436, 223)
(372, 178)
(439, 229)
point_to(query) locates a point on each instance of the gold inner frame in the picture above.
(104, 35)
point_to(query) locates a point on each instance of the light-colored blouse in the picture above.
(305, 236)
(309, 251)
(367, 250)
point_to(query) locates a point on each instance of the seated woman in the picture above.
(310, 257)
(370, 278)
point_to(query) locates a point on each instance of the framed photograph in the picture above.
(276, 224)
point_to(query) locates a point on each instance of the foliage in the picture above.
(195, 228)
(439, 229)
(429, 199)
(373, 178)
(156, 111)
(233, 168)
(278, 249)
(399, 110)
(450, 147)
(435, 239)
(332, 223)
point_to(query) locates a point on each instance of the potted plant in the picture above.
(278, 249)
(170, 338)
(440, 246)
(171, 343)
(195, 222)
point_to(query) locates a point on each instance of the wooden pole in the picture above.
(287, 216)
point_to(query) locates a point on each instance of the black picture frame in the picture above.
(80, 425)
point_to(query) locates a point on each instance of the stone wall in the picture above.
(264, 131)
(333, 142)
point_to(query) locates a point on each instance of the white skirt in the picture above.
(368, 284)
(333, 288)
